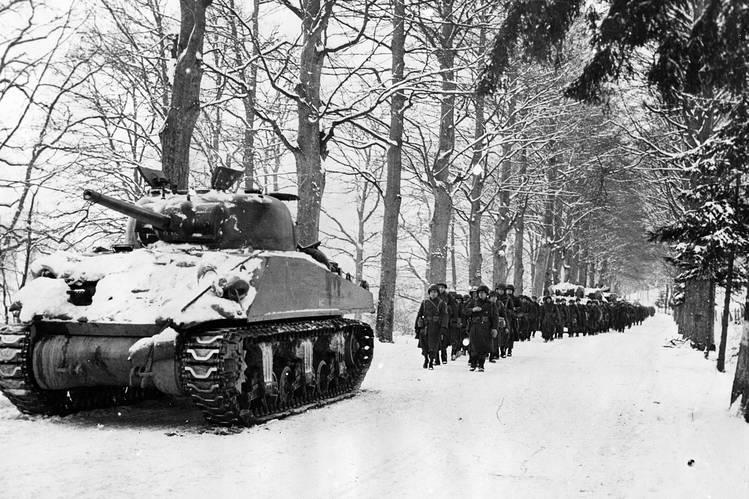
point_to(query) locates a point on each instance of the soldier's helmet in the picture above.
(510, 287)
(483, 288)
(500, 287)
(547, 298)
(442, 285)
(493, 294)
(433, 287)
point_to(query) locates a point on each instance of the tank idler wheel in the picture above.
(364, 354)
(322, 380)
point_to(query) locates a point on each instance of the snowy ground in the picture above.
(616, 415)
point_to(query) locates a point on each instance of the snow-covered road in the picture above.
(615, 415)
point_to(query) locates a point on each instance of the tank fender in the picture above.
(154, 357)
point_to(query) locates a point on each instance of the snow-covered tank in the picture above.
(210, 299)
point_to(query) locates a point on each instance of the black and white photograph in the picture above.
(374, 249)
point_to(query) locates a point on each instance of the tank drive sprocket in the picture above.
(253, 373)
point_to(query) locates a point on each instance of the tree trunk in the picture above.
(517, 278)
(724, 319)
(604, 279)
(741, 378)
(248, 138)
(518, 248)
(453, 267)
(592, 272)
(475, 260)
(310, 176)
(440, 175)
(502, 224)
(184, 109)
(276, 164)
(582, 276)
(542, 273)
(573, 256)
(544, 260)
(559, 254)
(388, 269)
(532, 251)
(698, 313)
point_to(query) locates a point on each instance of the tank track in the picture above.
(214, 372)
(17, 382)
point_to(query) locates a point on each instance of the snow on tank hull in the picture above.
(248, 335)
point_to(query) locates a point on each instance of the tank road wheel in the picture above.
(322, 378)
(285, 386)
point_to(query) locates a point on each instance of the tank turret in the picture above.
(213, 218)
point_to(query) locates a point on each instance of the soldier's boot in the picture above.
(431, 361)
(426, 362)
(481, 364)
(444, 355)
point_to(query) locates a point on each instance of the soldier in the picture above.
(494, 299)
(467, 303)
(523, 313)
(593, 314)
(483, 327)
(455, 329)
(431, 325)
(499, 290)
(548, 313)
(572, 318)
(452, 314)
(582, 317)
(535, 315)
(561, 309)
(512, 307)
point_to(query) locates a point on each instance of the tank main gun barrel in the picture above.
(157, 220)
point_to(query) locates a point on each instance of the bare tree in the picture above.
(392, 202)
(184, 109)
(37, 99)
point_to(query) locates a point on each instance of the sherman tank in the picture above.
(210, 298)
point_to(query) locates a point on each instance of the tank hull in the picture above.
(270, 321)
(236, 375)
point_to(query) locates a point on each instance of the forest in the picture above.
(529, 142)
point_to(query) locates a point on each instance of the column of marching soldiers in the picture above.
(487, 323)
